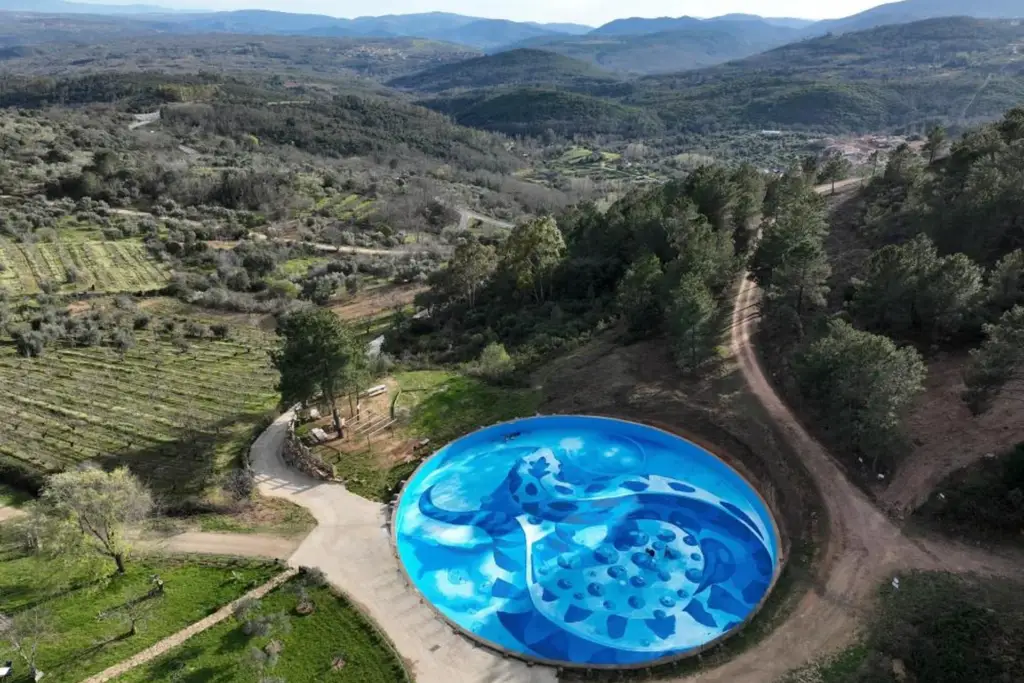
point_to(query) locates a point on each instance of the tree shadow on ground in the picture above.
(186, 466)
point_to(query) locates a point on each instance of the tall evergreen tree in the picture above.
(317, 354)
(691, 319)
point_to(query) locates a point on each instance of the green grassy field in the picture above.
(82, 642)
(443, 406)
(119, 266)
(335, 629)
(175, 416)
(343, 206)
(298, 267)
(457, 405)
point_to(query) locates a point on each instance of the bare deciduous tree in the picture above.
(24, 632)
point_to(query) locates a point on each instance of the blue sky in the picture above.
(593, 12)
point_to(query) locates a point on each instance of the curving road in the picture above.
(864, 546)
(351, 545)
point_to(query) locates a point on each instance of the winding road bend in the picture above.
(864, 545)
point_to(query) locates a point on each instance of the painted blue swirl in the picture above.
(586, 541)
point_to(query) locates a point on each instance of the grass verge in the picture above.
(310, 647)
(275, 516)
(85, 634)
(442, 406)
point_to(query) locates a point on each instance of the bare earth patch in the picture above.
(373, 302)
(947, 437)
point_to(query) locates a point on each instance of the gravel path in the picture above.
(171, 642)
(351, 545)
(208, 543)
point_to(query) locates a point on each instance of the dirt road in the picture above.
(208, 543)
(7, 513)
(864, 546)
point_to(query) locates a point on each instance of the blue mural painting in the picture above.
(586, 541)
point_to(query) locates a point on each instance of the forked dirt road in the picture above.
(864, 546)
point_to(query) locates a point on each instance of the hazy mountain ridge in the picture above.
(951, 69)
(917, 10)
(629, 45)
(703, 43)
(475, 32)
(62, 7)
(890, 78)
(512, 68)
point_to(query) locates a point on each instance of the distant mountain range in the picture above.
(475, 32)
(631, 45)
(452, 28)
(664, 46)
(916, 10)
(902, 77)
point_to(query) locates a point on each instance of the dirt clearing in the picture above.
(372, 302)
(947, 437)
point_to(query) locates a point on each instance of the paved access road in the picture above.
(351, 545)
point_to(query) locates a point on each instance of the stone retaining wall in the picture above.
(297, 455)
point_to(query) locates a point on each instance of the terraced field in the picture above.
(343, 207)
(119, 266)
(176, 417)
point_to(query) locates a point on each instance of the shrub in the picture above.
(495, 363)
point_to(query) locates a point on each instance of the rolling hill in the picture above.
(702, 43)
(532, 111)
(903, 77)
(635, 26)
(956, 70)
(513, 68)
(72, 19)
(785, 22)
(301, 58)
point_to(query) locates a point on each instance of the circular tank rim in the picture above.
(531, 660)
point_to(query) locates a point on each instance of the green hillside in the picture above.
(903, 77)
(101, 45)
(955, 70)
(515, 67)
(533, 111)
